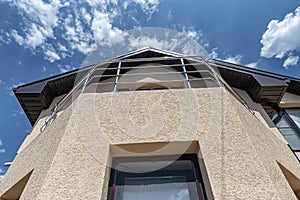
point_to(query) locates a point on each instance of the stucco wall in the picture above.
(70, 158)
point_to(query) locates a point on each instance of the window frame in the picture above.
(114, 173)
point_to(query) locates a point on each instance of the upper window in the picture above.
(288, 123)
(158, 177)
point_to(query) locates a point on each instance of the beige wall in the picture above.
(70, 158)
(260, 113)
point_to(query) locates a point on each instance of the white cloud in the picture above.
(192, 34)
(51, 55)
(234, 59)
(76, 36)
(145, 41)
(78, 25)
(101, 3)
(282, 37)
(44, 18)
(2, 150)
(65, 68)
(177, 43)
(18, 38)
(37, 35)
(148, 6)
(1, 143)
(102, 27)
(252, 65)
(2, 82)
(86, 16)
(291, 61)
(213, 54)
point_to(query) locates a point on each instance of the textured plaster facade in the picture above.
(238, 151)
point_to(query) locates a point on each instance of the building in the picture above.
(154, 124)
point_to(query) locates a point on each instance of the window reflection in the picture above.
(295, 116)
(159, 178)
(289, 126)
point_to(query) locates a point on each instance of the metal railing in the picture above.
(189, 76)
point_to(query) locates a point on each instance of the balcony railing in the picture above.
(165, 73)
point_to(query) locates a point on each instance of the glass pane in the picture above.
(154, 180)
(292, 137)
(295, 115)
(161, 178)
(149, 166)
(283, 122)
(171, 191)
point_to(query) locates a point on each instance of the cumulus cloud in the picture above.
(176, 43)
(252, 65)
(65, 68)
(282, 37)
(51, 55)
(102, 27)
(291, 61)
(214, 54)
(77, 25)
(234, 59)
(148, 6)
(44, 18)
(18, 38)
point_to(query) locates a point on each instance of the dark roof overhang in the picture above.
(38, 95)
(263, 87)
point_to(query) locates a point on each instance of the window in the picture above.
(294, 114)
(288, 123)
(157, 177)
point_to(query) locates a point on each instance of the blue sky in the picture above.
(42, 38)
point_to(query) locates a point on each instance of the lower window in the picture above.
(157, 177)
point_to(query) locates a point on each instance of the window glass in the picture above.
(283, 122)
(295, 115)
(289, 127)
(170, 191)
(292, 137)
(157, 179)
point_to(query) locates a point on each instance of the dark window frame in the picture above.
(115, 174)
